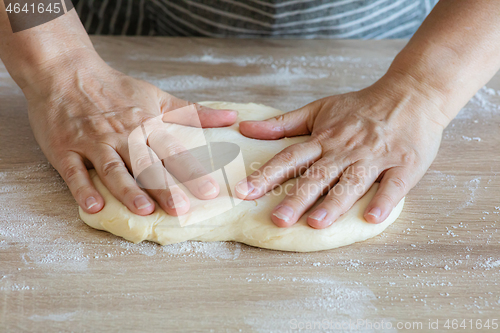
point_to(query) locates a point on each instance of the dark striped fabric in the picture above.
(365, 19)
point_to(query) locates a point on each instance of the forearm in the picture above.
(453, 54)
(29, 55)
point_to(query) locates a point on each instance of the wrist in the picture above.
(63, 73)
(412, 100)
(438, 73)
(27, 54)
(430, 99)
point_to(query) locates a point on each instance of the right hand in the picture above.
(82, 112)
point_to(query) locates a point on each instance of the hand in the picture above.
(82, 112)
(385, 132)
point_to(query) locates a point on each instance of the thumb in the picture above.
(208, 117)
(215, 118)
(298, 122)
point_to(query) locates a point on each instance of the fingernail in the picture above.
(284, 213)
(319, 214)
(244, 188)
(208, 189)
(90, 202)
(176, 201)
(375, 212)
(141, 202)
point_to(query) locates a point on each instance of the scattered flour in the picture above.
(48, 244)
(146, 248)
(61, 254)
(333, 300)
(267, 72)
(11, 286)
(53, 317)
(488, 263)
(488, 101)
(482, 99)
(43, 236)
(209, 58)
(472, 187)
(466, 138)
(281, 76)
(45, 240)
(214, 250)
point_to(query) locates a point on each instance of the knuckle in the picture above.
(399, 183)
(143, 162)
(265, 178)
(70, 171)
(178, 156)
(318, 173)
(192, 176)
(334, 201)
(82, 190)
(288, 156)
(173, 149)
(409, 158)
(198, 174)
(127, 190)
(110, 167)
(285, 157)
(353, 179)
(297, 201)
(386, 197)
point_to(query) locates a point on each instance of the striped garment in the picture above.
(365, 19)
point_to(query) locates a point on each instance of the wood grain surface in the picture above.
(439, 261)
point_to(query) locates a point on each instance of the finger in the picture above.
(76, 175)
(298, 122)
(308, 189)
(161, 186)
(206, 117)
(149, 171)
(352, 185)
(289, 163)
(216, 118)
(116, 177)
(137, 154)
(183, 165)
(151, 175)
(394, 186)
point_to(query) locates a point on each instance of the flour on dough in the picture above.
(248, 222)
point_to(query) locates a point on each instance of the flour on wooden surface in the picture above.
(488, 101)
(214, 250)
(53, 316)
(310, 300)
(210, 58)
(42, 239)
(270, 73)
(46, 240)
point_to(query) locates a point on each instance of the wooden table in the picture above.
(439, 261)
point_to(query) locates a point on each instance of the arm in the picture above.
(82, 112)
(453, 54)
(390, 131)
(28, 55)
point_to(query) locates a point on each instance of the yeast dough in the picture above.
(247, 222)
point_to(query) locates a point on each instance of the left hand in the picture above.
(386, 131)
